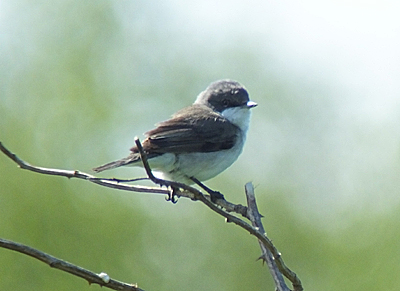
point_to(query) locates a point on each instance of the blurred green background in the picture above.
(79, 79)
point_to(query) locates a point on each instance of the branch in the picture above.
(180, 190)
(115, 183)
(101, 279)
(267, 255)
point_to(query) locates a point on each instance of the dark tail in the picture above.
(115, 164)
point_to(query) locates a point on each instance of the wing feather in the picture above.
(204, 131)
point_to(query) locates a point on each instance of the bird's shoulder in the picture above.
(197, 118)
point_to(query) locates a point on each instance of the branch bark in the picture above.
(221, 206)
(101, 279)
(115, 183)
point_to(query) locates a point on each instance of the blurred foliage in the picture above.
(77, 82)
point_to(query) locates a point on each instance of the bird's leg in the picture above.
(214, 195)
(172, 195)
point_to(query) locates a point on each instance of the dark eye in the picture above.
(226, 102)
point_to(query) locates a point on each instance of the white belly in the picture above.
(202, 166)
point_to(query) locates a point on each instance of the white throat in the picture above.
(239, 116)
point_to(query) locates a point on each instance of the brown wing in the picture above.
(204, 131)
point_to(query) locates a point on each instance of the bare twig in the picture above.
(221, 206)
(80, 175)
(267, 256)
(114, 183)
(101, 279)
(270, 254)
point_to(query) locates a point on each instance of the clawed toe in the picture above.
(172, 196)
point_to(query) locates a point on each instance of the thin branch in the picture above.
(270, 253)
(114, 183)
(80, 175)
(180, 190)
(267, 256)
(101, 279)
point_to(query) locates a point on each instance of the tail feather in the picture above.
(115, 164)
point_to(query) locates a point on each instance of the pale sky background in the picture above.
(340, 60)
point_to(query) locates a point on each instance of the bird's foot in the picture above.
(214, 195)
(172, 196)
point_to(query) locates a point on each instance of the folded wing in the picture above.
(204, 131)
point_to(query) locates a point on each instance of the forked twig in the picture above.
(221, 207)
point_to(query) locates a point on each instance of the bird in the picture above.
(199, 141)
